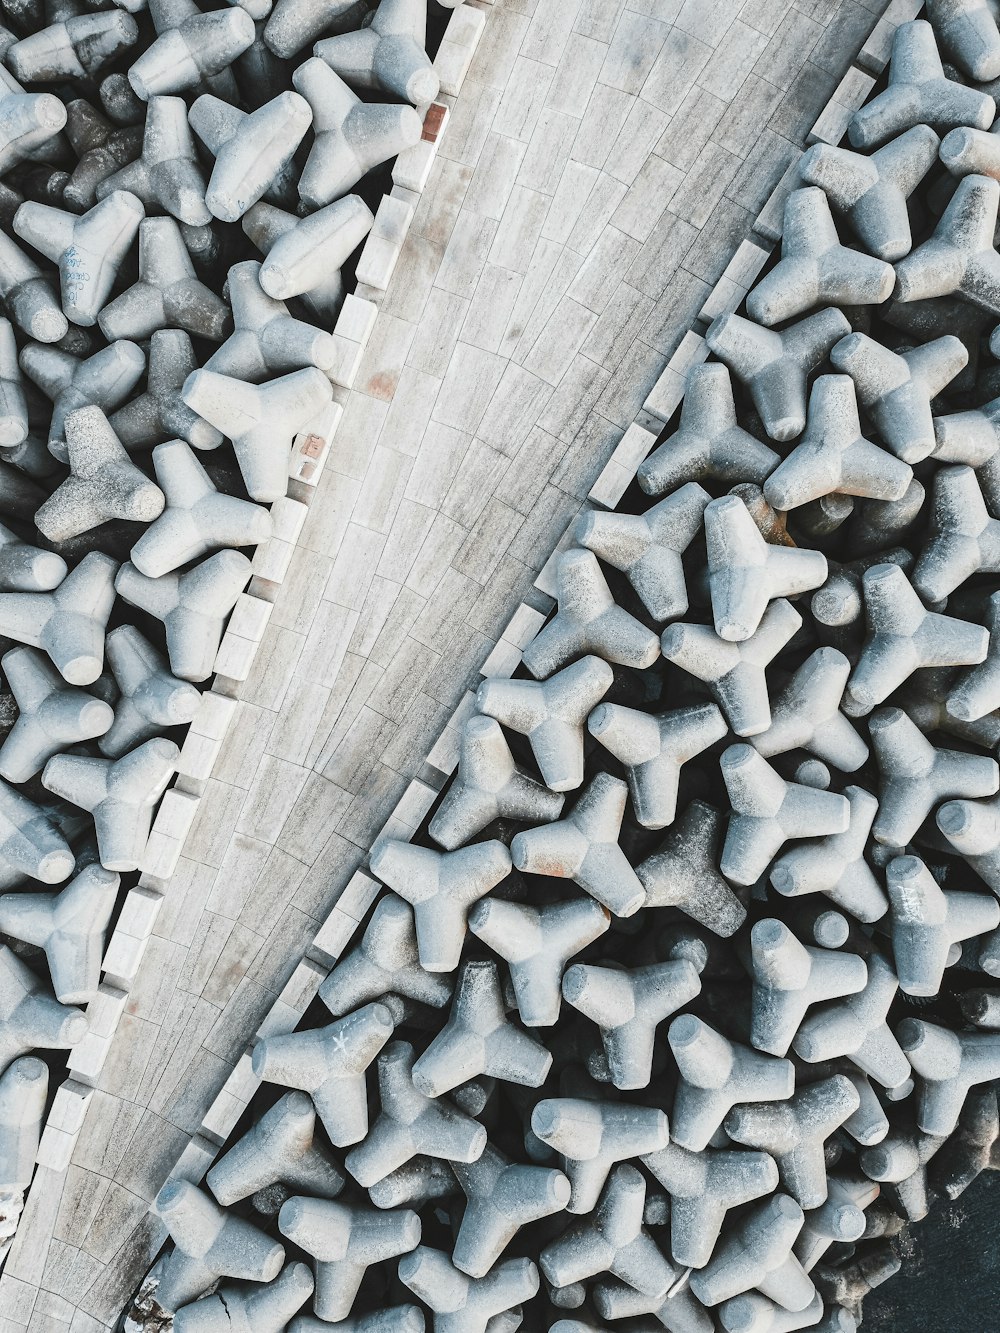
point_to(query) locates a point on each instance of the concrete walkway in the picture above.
(603, 162)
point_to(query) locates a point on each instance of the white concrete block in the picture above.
(458, 46)
(271, 558)
(384, 243)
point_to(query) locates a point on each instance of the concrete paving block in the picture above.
(301, 987)
(139, 913)
(851, 92)
(69, 1106)
(384, 243)
(737, 278)
(350, 334)
(359, 893)
(271, 559)
(668, 390)
(458, 46)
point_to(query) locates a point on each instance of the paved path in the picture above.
(603, 162)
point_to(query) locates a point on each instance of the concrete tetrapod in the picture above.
(959, 257)
(88, 250)
(969, 1150)
(388, 54)
(30, 841)
(168, 294)
(23, 1093)
(648, 547)
(815, 269)
(30, 1017)
(477, 1039)
(416, 1182)
(871, 192)
(209, 1243)
(904, 637)
(967, 30)
(462, 1304)
(915, 776)
(947, 1065)
(167, 174)
(351, 136)
(613, 1240)
(681, 872)
(280, 1146)
(551, 713)
(345, 1240)
(193, 606)
(767, 811)
(833, 458)
(329, 1063)
(758, 1253)
(252, 150)
(441, 887)
(501, 1198)
(190, 48)
(927, 921)
(627, 1007)
(653, 748)
(249, 415)
(679, 1311)
(386, 962)
(836, 865)
(69, 926)
(745, 572)
(840, 1219)
(703, 1186)
(970, 437)
(584, 847)
(715, 1074)
(962, 540)
(734, 672)
(67, 623)
(973, 830)
(150, 698)
(896, 389)
(788, 978)
(304, 255)
(101, 146)
(918, 93)
(51, 714)
(28, 296)
(13, 405)
(775, 365)
(397, 1319)
(29, 121)
(588, 620)
(197, 519)
(708, 444)
(411, 1123)
(121, 794)
(266, 340)
(751, 1312)
(975, 694)
(160, 413)
(795, 1134)
(103, 380)
(806, 715)
(592, 1137)
(488, 786)
(103, 483)
(536, 943)
(294, 23)
(76, 48)
(249, 1307)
